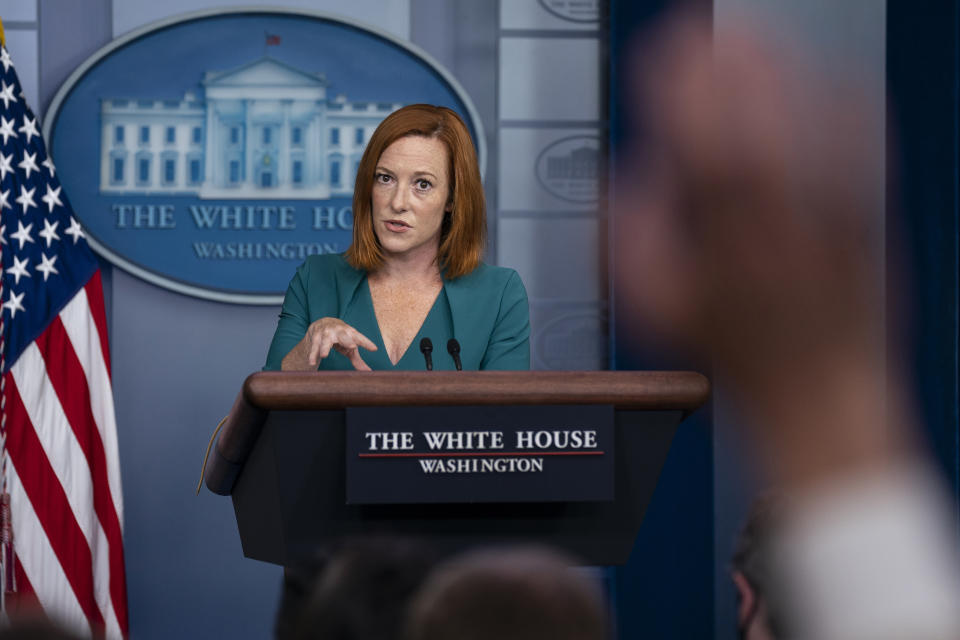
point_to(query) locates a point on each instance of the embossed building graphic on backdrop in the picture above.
(579, 164)
(569, 168)
(262, 130)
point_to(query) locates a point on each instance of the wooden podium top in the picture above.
(293, 390)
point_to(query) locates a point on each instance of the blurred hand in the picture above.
(747, 232)
(322, 336)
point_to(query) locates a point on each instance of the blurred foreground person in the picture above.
(360, 593)
(515, 594)
(749, 221)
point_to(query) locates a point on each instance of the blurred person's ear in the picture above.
(746, 598)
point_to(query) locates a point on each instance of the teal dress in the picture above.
(485, 310)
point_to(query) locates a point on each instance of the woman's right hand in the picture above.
(325, 334)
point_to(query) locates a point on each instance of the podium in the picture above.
(281, 457)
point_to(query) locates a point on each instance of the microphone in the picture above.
(453, 347)
(426, 348)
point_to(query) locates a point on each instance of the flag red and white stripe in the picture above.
(64, 476)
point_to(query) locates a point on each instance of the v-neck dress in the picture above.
(485, 310)
(438, 326)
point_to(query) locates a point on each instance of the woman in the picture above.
(413, 270)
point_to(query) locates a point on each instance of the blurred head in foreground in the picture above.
(514, 594)
(363, 591)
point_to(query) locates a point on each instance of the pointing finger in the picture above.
(364, 341)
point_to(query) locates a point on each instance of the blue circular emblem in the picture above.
(210, 154)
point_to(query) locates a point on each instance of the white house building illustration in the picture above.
(262, 130)
(579, 164)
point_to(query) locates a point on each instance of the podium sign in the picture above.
(422, 455)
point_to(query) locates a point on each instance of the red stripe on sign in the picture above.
(67, 377)
(94, 289)
(482, 454)
(42, 488)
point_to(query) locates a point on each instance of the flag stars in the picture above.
(25, 199)
(6, 94)
(22, 234)
(29, 163)
(6, 129)
(52, 198)
(14, 303)
(5, 199)
(48, 163)
(46, 266)
(5, 166)
(49, 232)
(19, 269)
(29, 129)
(5, 60)
(74, 230)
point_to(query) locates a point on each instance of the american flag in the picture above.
(60, 465)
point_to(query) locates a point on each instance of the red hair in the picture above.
(464, 230)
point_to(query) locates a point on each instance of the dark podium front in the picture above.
(281, 455)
